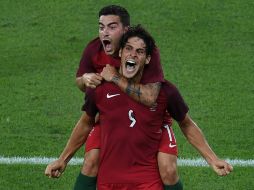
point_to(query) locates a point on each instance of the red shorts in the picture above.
(167, 143)
(94, 138)
(143, 186)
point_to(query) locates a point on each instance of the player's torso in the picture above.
(130, 133)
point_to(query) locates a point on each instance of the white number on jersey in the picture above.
(132, 118)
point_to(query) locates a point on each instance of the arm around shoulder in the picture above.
(144, 93)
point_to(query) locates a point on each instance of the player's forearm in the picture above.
(80, 84)
(77, 139)
(145, 94)
(196, 138)
(73, 144)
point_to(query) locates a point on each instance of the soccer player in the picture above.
(130, 131)
(113, 23)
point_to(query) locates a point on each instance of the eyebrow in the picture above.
(111, 23)
(128, 43)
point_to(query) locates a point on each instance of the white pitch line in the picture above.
(35, 160)
(199, 162)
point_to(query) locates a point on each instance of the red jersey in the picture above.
(130, 133)
(176, 106)
(94, 59)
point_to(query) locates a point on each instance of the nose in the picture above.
(133, 53)
(105, 31)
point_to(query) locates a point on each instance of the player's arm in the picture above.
(145, 94)
(195, 137)
(77, 139)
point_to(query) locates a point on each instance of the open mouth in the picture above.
(107, 45)
(130, 65)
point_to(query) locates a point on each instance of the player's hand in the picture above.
(55, 169)
(91, 80)
(221, 167)
(109, 72)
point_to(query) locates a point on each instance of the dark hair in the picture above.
(139, 31)
(118, 11)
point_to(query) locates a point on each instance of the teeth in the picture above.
(130, 65)
(131, 61)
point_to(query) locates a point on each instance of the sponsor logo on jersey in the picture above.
(111, 95)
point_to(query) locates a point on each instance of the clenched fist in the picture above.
(55, 169)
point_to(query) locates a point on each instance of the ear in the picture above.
(126, 28)
(120, 52)
(148, 58)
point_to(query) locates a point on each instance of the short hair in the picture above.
(118, 11)
(139, 31)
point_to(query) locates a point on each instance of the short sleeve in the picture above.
(89, 106)
(176, 107)
(86, 62)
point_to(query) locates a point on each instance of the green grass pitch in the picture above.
(206, 50)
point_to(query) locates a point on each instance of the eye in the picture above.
(141, 51)
(127, 48)
(112, 27)
(101, 28)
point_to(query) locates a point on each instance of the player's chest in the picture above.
(115, 105)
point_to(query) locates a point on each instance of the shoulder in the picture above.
(169, 88)
(176, 105)
(94, 45)
(171, 91)
(95, 42)
(92, 48)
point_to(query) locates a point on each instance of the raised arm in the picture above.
(195, 137)
(145, 94)
(78, 137)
